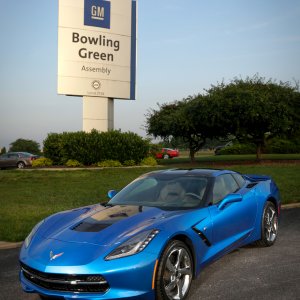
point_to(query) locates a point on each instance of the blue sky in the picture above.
(183, 48)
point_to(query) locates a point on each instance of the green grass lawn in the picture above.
(211, 158)
(27, 196)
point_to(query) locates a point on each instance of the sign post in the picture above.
(97, 56)
(97, 113)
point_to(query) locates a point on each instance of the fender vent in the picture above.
(202, 236)
(251, 185)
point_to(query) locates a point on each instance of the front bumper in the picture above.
(136, 289)
(114, 293)
(127, 278)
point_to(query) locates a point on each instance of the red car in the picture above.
(167, 153)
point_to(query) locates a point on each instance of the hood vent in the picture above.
(90, 227)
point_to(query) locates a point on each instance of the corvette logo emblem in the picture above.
(54, 256)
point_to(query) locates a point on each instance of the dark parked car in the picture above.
(17, 159)
(221, 147)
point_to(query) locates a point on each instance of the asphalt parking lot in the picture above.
(247, 273)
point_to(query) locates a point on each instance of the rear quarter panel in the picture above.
(265, 191)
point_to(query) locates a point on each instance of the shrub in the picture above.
(148, 161)
(129, 163)
(42, 162)
(73, 163)
(53, 145)
(275, 145)
(238, 149)
(109, 164)
(283, 146)
(90, 148)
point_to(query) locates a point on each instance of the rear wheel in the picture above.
(20, 165)
(175, 272)
(269, 225)
(166, 156)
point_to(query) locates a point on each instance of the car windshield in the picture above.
(163, 191)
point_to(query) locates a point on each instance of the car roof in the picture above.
(191, 172)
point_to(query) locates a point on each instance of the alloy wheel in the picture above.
(271, 224)
(177, 275)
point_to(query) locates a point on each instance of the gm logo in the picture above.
(97, 13)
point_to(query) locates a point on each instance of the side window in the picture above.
(4, 156)
(224, 185)
(239, 179)
(230, 183)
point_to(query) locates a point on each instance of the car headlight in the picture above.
(32, 233)
(134, 245)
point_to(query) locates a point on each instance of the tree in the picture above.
(170, 121)
(252, 110)
(294, 107)
(22, 145)
(180, 120)
(207, 117)
(255, 109)
(3, 150)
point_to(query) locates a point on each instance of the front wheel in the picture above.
(269, 226)
(175, 272)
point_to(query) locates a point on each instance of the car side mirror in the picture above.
(231, 198)
(111, 193)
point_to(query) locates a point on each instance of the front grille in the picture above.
(66, 282)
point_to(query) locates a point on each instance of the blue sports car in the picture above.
(152, 238)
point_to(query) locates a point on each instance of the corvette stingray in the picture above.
(152, 237)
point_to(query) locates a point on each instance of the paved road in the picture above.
(247, 273)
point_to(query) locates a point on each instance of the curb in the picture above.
(291, 205)
(8, 245)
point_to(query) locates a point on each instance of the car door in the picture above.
(12, 160)
(233, 222)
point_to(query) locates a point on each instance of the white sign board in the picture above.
(97, 48)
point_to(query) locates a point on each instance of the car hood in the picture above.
(101, 225)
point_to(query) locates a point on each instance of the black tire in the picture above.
(42, 297)
(166, 156)
(269, 226)
(20, 165)
(175, 272)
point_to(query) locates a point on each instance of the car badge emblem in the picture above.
(54, 256)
